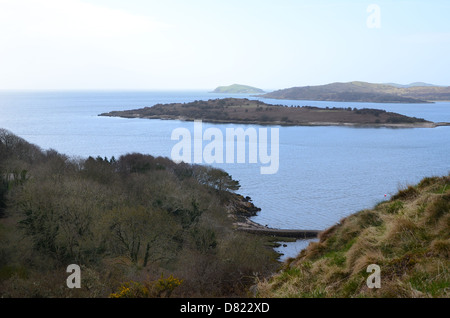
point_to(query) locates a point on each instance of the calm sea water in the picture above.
(325, 173)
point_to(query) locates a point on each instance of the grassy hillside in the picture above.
(126, 222)
(407, 236)
(364, 92)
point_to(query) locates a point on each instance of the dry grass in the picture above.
(408, 237)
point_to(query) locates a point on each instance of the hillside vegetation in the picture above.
(407, 236)
(364, 92)
(138, 226)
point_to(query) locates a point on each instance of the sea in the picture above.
(325, 173)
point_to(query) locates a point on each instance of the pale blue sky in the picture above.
(199, 44)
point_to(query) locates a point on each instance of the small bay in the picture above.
(325, 173)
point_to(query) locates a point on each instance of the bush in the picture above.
(162, 287)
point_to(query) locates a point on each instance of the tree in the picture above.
(222, 181)
(217, 179)
(141, 234)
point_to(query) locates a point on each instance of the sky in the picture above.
(202, 44)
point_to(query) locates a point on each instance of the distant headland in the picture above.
(245, 111)
(238, 89)
(365, 92)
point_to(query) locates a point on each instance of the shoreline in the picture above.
(284, 124)
(241, 208)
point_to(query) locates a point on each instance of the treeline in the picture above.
(131, 219)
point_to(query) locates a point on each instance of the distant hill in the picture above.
(415, 84)
(364, 92)
(238, 89)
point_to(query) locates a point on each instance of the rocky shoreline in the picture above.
(241, 209)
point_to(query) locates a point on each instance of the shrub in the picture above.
(162, 287)
(131, 290)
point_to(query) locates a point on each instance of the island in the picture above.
(365, 92)
(237, 89)
(247, 111)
